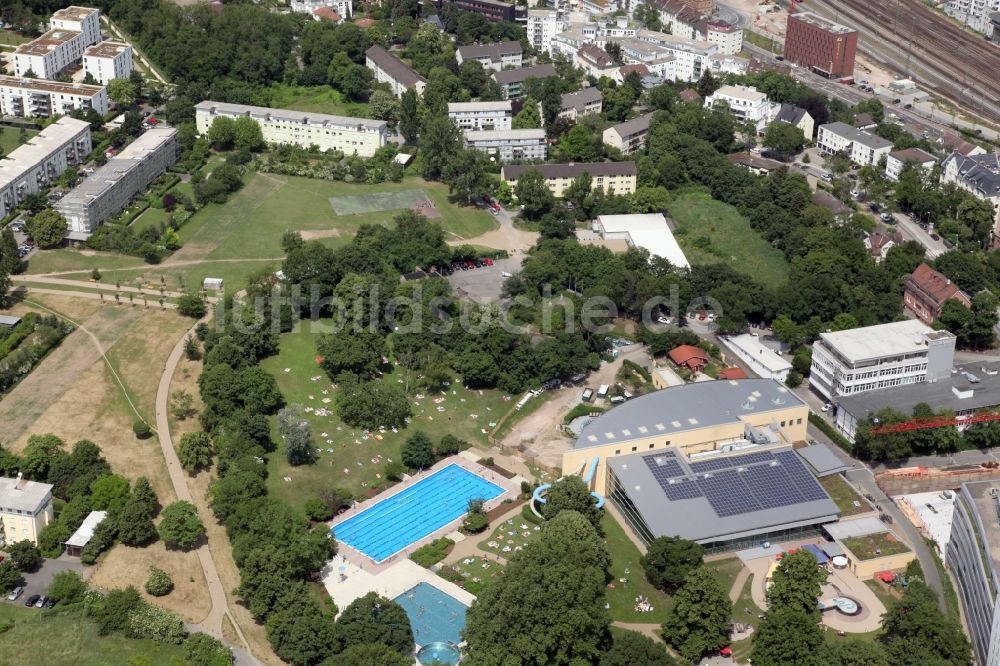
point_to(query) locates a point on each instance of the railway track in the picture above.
(956, 64)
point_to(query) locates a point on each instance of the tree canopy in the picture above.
(374, 619)
(698, 623)
(669, 560)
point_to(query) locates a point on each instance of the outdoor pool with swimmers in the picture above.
(436, 617)
(396, 522)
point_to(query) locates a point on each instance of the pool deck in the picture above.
(349, 555)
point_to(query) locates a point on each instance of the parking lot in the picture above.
(38, 582)
(484, 284)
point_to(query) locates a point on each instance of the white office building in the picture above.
(745, 103)
(508, 145)
(107, 191)
(861, 147)
(761, 359)
(108, 60)
(495, 57)
(876, 357)
(649, 231)
(542, 26)
(351, 136)
(36, 164)
(34, 98)
(481, 115)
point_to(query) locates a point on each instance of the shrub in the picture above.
(418, 452)
(24, 556)
(430, 554)
(317, 510)
(159, 582)
(67, 588)
(475, 523)
(450, 445)
(148, 621)
(394, 471)
(141, 429)
(204, 650)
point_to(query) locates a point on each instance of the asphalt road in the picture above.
(910, 229)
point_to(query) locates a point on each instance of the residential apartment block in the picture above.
(36, 164)
(612, 177)
(864, 359)
(542, 26)
(108, 60)
(481, 115)
(25, 509)
(745, 103)
(85, 20)
(351, 136)
(494, 10)
(977, 14)
(728, 37)
(586, 102)
(71, 30)
(826, 47)
(107, 191)
(512, 80)
(979, 175)
(630, 136)
(387, 68)
(861, 147)
(344, 8)
(503, 55)
(508, 145)
(926, 290)
(691, 57)
(898, 159)
(34, 98)
(797, 117)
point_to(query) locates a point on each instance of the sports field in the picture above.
(377, 201)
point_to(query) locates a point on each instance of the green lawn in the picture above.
(625, 565)
(351, 448)
(66, 637)
(865, 547)
(745, 611)
(843, 495)
(763, 42)
(472, 573)
(51, 261)
(151, 217)
(710, 231)
(11, 37)
(319, 99)
(726, 571)
(510, 536)
(10, 138)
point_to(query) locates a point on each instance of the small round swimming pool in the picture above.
(439, 652)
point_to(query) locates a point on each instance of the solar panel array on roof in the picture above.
(727, 462)
(800, 477)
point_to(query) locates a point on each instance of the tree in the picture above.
(669, 560)
(578, 145)
(247, 134)
(159, 582)
(650, 200)
(299, 630)
(10, 577)
(529, 116)
(374, 619)
(118, 607)
(144, 497)
(134, 525)
(917, 632)
(533, 194)
(649, 15)
(195, 451)
(787, 636)
(10, 260)
(191, 305)
(466, 175)
(67, 587)
(450, 445)
(383, 105)
(372, 405)
(698, 623)
(47, 228)
(797, 583)
(122, 92)
(39, 454)
(180, 525)
(852, 652)
(109, 492)
(369, 654)
(784, 138)
(440, 140)
(204, 650)
(222, 133)
(634, 649)
(409, 118)
(572, 494)
(24, 555)
(418, 452)
(296, 433)
(360, 353)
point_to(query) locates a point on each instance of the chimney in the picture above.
(19, 482)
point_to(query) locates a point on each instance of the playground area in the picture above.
(377, 202)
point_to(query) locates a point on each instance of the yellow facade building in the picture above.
(612, 177)
(25, 509)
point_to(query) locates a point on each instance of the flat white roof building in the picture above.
(85, 20)
(360, 136)
(861, 147)
(746, 104)
(481, 115)
(761, 359)
(83, 534)
(25, 509)
(649, 231)
(34, 98)
(543, 25)
(34, 165)
(508, 145)
(108, 60)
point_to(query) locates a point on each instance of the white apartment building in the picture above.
(691, 56)
(36, 164)
(577, 35)
(108, 60)
(597, 8)
(861, 147)
(612, 177)
(481, 115)
(387, 68)
(50, 54)
(503, 55)
(34, 98)
(657, 59)
(344, 8)
(979, 175)
(25, 509)
(877, 357)
(746, 104)
(974, 13)
(107, 191)
(586, 102)
(351, 136)
(630, 136)
(508, 145)
(85, 20)
(726, 36)
(542, 26)
(897, 159)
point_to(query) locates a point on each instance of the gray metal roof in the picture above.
(24, 495)
(85, 532)
(494, 52)
(688, 407)
(393, 66)
(854, 134)
(8, 320)
(791, 114)
(634, 126)
(822, 460)
(581, 98)
(268, 114)
(695, 518)
(522, 74)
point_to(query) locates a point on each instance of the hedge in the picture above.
(831, 432)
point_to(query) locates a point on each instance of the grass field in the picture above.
(875, 545)
(11, 37)
(319, 99)
(763, 42)
(10, 136)
(66, 637)
(848, 501)
(710, 231)
(351, 448)
(625, 565)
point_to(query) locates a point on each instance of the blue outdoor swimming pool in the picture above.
(392, 524)
(435, 616)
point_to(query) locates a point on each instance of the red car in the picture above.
(489, 262)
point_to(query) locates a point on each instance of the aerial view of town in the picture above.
(500, 332)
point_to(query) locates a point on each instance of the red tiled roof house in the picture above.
(690, 357)
(926, 291)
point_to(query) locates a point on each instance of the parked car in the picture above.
(827, 407)
(827, 177)
(15, 593)
(935, 237)
(886, 217)
(49, 602)
(41, 601)
(505, 274)
(30, 601)
(665, 320)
